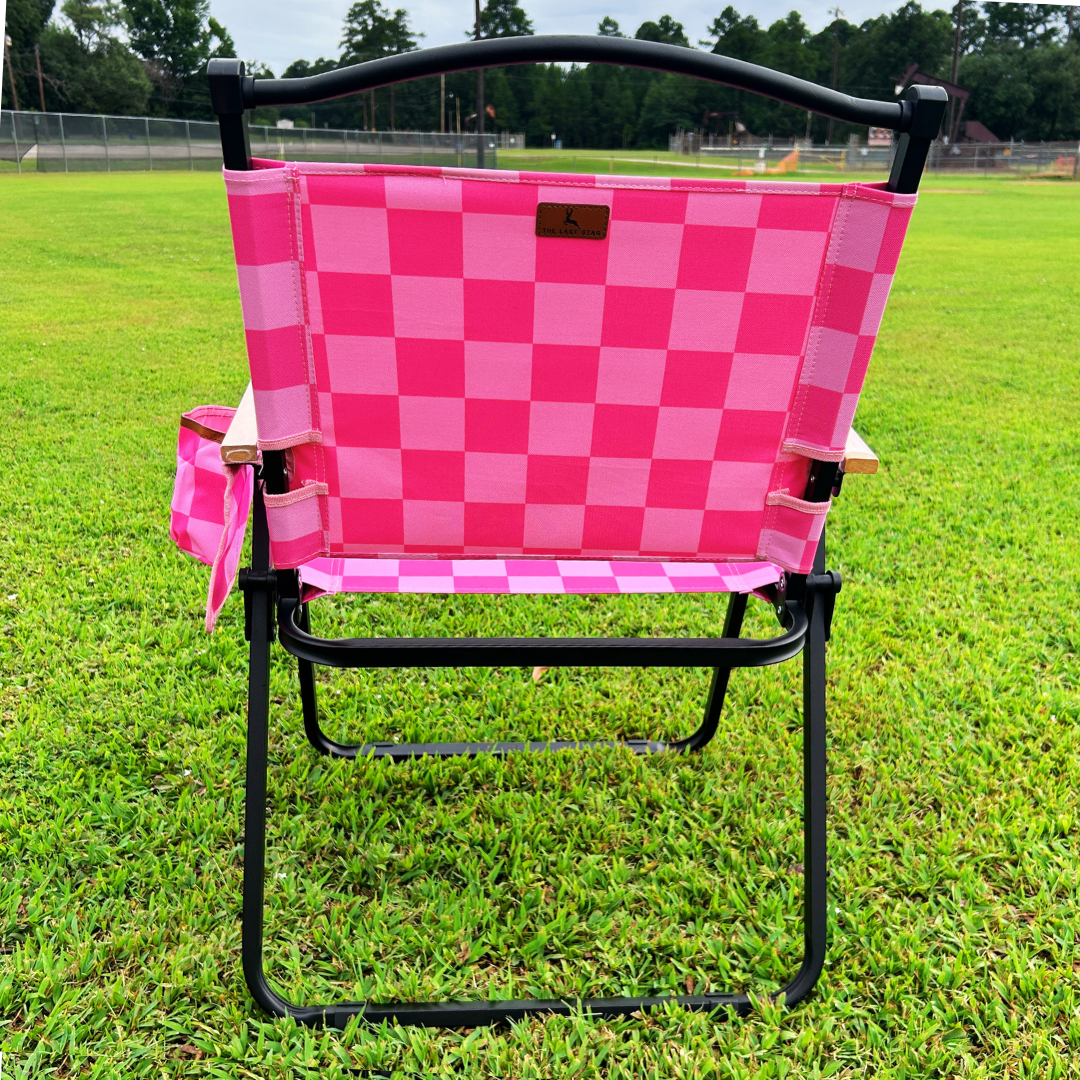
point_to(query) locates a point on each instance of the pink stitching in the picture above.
(311, 489)
(291, 440)
(831, 190)
(792, 446)
(782, 498)
(806, 375)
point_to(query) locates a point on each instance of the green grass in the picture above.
(657, 163)
(954, 749)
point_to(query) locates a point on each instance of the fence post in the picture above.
(105, 135)
(190, 159)
(63, 140)
(149, 155)
(15, 140)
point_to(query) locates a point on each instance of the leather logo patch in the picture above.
(576, 221)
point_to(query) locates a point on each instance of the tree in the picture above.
(1019, 60)
(739, 37)
(372, 30)
(503, 18)
(667, 31)
(1027, 24)
(26, 19)
(87, 68)
(175, 39)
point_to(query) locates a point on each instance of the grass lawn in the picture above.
(954, 738)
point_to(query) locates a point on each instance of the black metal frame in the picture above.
(804, 610)
(803, 604)
(917, 118)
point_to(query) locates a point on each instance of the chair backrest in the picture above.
(447, 382)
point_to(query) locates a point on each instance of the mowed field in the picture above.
(954, 723)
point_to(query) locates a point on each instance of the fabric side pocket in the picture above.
(791, 530)
(211, 501)
(198, 502)
(296, 524)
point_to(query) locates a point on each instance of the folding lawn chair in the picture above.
(493, 382)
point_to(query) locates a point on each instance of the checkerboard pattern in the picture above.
(211, 501)
(447, 383)
(565, 576)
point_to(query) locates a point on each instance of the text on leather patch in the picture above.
(577, 221)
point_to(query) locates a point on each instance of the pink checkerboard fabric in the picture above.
(210, 503)
(447, 383)
(568, 576)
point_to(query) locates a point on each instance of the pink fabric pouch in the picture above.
(211, 501)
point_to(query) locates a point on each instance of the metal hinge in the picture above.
(824, 586)
(253, 581)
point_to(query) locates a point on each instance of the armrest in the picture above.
(241, 442)
(858, 457)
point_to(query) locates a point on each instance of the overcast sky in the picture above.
(280, 31)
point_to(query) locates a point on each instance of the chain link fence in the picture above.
(774, 156)
(72, 142)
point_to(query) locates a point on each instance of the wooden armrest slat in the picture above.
(241, 442)
(858, 457)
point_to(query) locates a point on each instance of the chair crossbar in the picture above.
(806, 618)
(529, 652)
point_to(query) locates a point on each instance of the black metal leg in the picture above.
(476, 1013)
(260, 611)
(718, 690)
(310, 703)
(815, 853)
(325, 745)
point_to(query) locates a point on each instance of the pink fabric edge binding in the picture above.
(327, 576)
(239, 491)
(875, 192)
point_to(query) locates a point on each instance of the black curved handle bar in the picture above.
(548, 48)
(917, 117)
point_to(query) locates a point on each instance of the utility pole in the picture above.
(442, 104)
(955, 63)
(479, 100)
(11, 73)
(836, 13)
(40, 82)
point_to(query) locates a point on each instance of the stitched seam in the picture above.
(309, 353)
(805, 449)
(797, 414)
(291, 440)
(311, 490)
(782, 498)
(762, 190)
(291, 183)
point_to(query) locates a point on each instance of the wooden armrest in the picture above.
(241, 442)
(858, 457)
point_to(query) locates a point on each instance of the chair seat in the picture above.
(572, 576)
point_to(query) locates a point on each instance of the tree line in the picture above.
(1021, 63)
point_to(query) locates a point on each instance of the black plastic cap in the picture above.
(926, 107)
(929, 110)
(230, 88)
